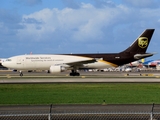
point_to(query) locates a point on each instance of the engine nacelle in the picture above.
(56, 69)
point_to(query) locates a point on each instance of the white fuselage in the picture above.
(44, 62)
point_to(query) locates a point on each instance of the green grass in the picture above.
(80, 93)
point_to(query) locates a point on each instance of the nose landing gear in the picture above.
(21, 74)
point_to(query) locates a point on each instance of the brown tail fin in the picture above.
(140, 45)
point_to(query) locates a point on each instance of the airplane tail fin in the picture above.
(140, 45)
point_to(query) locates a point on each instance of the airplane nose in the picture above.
(3, 63)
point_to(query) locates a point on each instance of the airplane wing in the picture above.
(81, 63)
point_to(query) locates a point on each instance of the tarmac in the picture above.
(89, 77)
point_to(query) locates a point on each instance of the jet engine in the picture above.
(56, 69)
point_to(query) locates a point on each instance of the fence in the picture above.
(51, 113)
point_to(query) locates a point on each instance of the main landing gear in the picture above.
(74, 73)
(20, 73)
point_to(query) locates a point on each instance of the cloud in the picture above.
(87, 25)
(29, 2)
(84, 24)
(142, 3)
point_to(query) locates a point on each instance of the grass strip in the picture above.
(80, 93)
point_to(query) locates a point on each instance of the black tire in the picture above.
(21, 74)
(77, 74)
(71, 74)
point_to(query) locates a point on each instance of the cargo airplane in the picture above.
(74, 62)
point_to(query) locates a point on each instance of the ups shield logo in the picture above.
(142, 42)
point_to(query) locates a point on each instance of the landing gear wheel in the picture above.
(73, 73)
(21, 74)
(77, 74)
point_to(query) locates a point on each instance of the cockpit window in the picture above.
(8, 60)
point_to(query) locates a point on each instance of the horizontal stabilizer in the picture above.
(140, 56)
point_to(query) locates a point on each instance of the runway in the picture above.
(86, 77)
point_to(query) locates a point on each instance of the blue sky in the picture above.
(76, 26)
